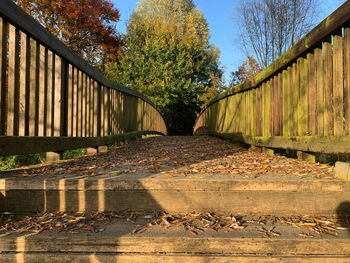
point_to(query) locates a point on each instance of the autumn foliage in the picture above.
(246, 71)
(86, 26)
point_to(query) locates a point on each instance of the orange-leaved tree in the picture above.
(86, 26)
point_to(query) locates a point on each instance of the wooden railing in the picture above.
(300, 102)
(52, 100)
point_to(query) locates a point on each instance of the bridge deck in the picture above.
(178, 157)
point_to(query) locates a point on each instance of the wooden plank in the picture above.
(49, 93)
(91, 106)
(32, 88)
(57, 97)
(13, 81)
(338, 84)
(75, 101)
(113, 112)
(296, 99)
(3, 69)
(319, 92)
(268, 109)
(102, 111)
(78, 109)
(254, 116)
(275, 106)
(347, 79)
(99, 109)
(303, 96)
(14, 145)
(83, 105)
(261, 114)
(286, 105)
(87, 110)
(22, 85)
(42, 88)
(95, 99)
(108, 111)
(291, 112)
(46, 85)
(328, 86)
(311, 95)
(250, 113)
(280, 104)
(70, 99)
(37, 82)
(324, 144)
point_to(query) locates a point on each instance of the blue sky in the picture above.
(219, 14)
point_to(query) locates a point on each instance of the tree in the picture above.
(86, 26)
(168, 58)
(246, 71)
(270, 27)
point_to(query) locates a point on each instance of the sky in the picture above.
(223, 30)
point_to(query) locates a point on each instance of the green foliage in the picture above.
(168, 59)
(70, 154)
(15, 161)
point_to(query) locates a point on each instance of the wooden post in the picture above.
(3, 65)
(91, 151)
(268, 150)
(54, 156)
(102, 149)
(306, 156)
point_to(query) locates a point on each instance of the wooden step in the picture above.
(267, 195)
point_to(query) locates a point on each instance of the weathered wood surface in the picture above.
(318, 144)
(305, 92)
(10, 145)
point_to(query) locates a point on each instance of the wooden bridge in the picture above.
(174, 199)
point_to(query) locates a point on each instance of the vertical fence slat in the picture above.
(280, 104)
(83, 105)
(338, 81)
(57, 97)
(32, 88)
(102, 110)
(347, 79)
(319, 92)
(286, 115)
(296, 106)
(268, 108)
(41, 94)
(261, 113)
(70, 99)
(78, 109)
(311, 95)
(303, 97)
(37, 83)
(254, 110)
(22, 84)
(75, 102)
(95, 121)
(328, 86)
(3, 65)
(91, 106)
(49, 92)
(108, 117)
(290, 102)
(13, 81)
